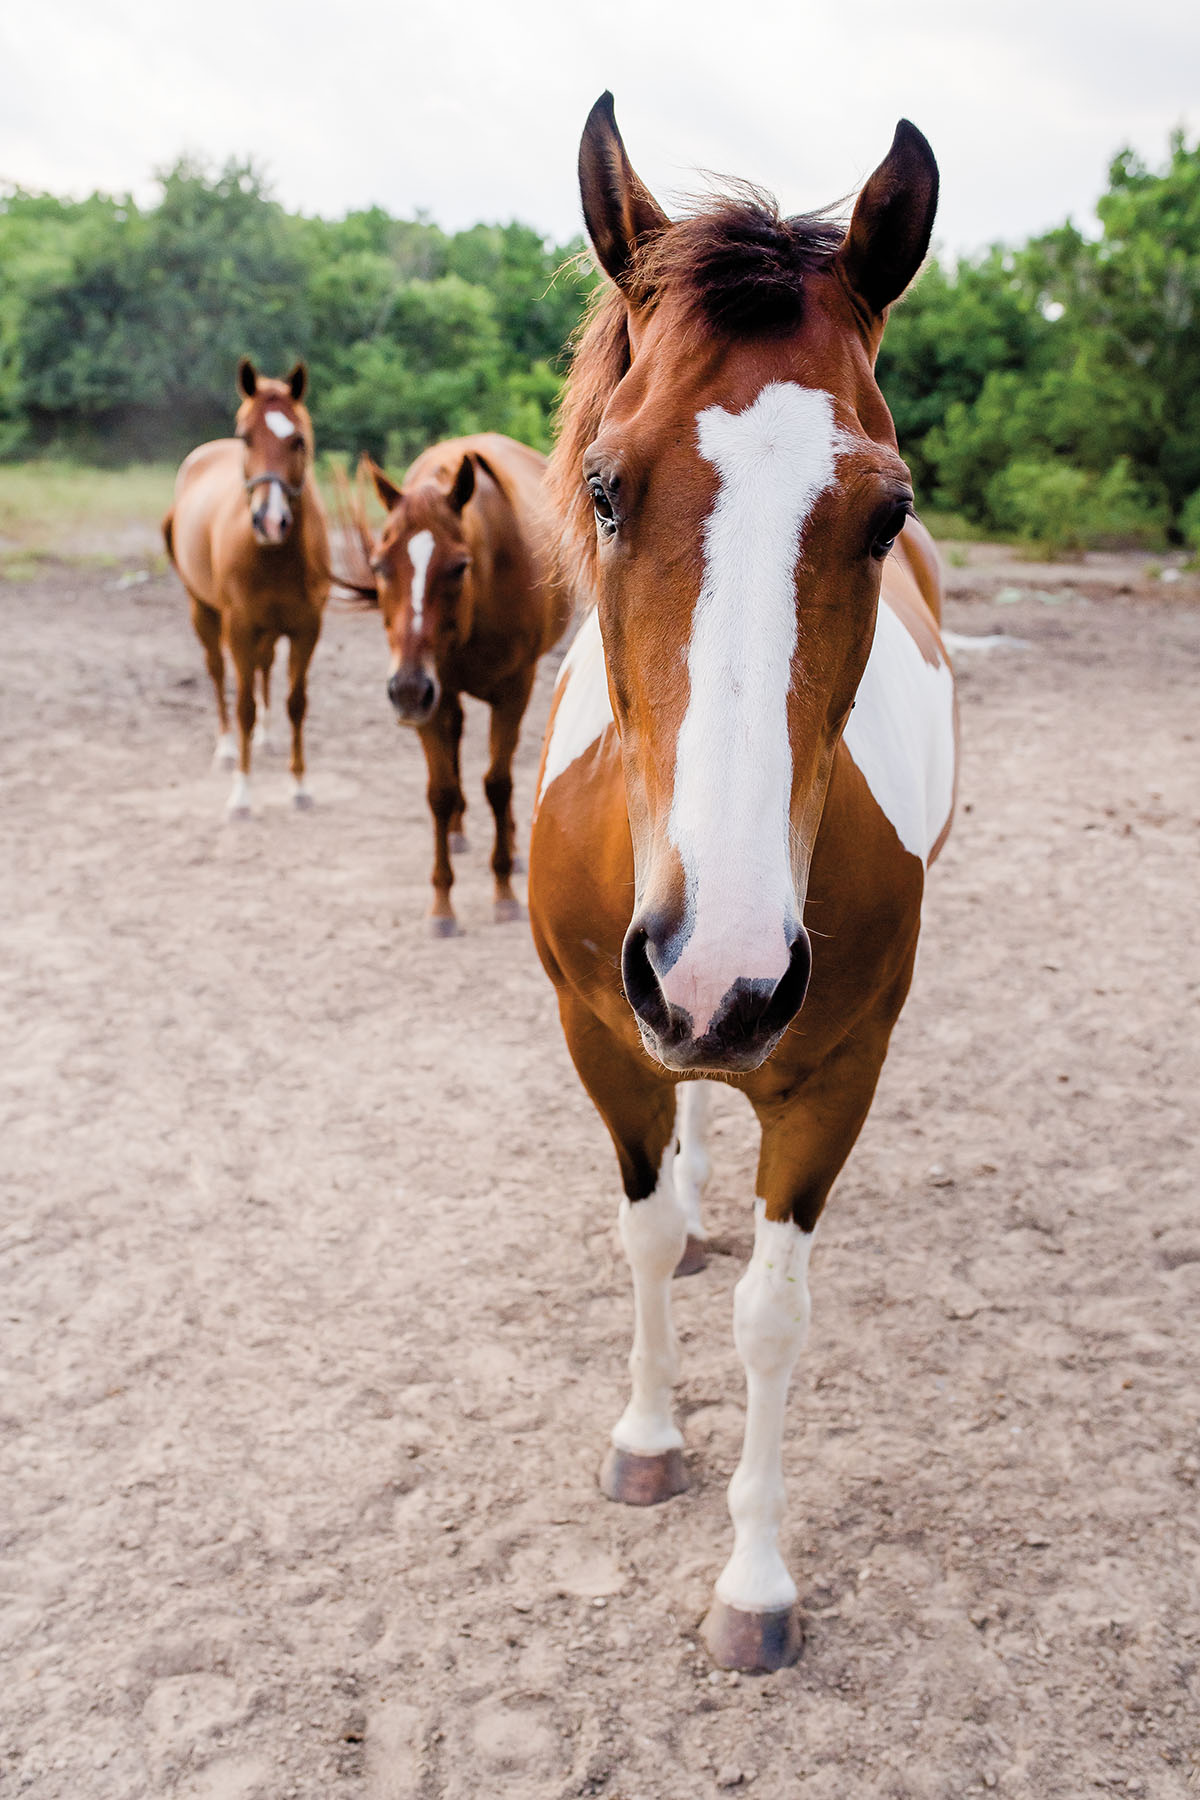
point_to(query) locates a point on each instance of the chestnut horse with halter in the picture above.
(247, 534)
(468, 588)
(753, 740)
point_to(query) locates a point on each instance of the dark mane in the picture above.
(737, 267)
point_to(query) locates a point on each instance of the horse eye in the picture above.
(606, 519)
(891, 529)
(298, 443)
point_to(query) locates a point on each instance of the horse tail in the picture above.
(168, 531)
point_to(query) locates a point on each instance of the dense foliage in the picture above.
(1053, 392)
(121, 327)
(1050, 392)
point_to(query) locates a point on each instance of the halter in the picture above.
(292, 491)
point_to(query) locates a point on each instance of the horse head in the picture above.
(277, 432)
(730, 477)
(421, 562)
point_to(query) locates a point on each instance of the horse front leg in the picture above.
(807, 1135)
(692, 1171)
(507, 713)
(262, 721)
(244, 647)
(644, 1463)
(440, 741)
(300, 649)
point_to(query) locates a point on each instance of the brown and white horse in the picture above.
(247, 534)
(469, 592)
(753, 740)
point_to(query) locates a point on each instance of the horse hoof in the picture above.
(505, 910)
(518, 865)
(458, 844)
(240, 811)
(757, 1643)
(442, 927)
(694, 1258)
(642, 1480)
(302, 800)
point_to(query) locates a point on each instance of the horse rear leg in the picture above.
(440, 740)
(301, 645)
(507, 713)
(807, 1136)
(262, 719)
(644, 1464)
(207, 623)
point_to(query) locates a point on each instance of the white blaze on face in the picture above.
(730, 817)
(420, 552)
(275, 516)
(281, 425)
(901, 734)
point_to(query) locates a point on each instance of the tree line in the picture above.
(1049, 391)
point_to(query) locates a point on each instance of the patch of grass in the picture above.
(949, 527)
(67, 510)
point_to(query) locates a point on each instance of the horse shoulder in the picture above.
(902, 734)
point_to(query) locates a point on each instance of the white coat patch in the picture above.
(281, 425)
(730, 816)
(420, 553)
(584, 707)
(901, 734)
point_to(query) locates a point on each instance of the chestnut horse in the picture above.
(469, 592)
(247, 534)
(753, 733)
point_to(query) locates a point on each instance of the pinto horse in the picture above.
(749, 764)
(247, 534)
(469, 592)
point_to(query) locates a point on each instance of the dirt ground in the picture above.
(315, 1322)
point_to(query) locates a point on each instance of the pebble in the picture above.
(729, 1776)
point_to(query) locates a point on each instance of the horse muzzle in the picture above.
(414, 693)
(739, 1033)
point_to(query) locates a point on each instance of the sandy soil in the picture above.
(314, 1319)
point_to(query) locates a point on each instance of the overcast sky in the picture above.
(472, 109)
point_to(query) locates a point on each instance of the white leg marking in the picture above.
(731, 810)
(301, 798)
(420, 550)
(770, 1324)
(262, 727)
(653, 1232)
(692, 1166)
(239, 799)
(225, 754)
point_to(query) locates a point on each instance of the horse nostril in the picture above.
(428, 696)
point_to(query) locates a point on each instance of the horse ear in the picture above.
(893, 217)
(247, 378)
(389, 494)
(619, 211)
(298, 381)
(464, 483)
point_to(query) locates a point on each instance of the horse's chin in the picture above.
(704, 1057)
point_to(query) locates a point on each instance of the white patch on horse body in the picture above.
(420, 552)
(584, 706)
(730, 816)
(901, 734)
(770, 1324)
(280, 424)
(653, 1233)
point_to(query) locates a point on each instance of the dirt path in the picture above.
(314, 1320)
